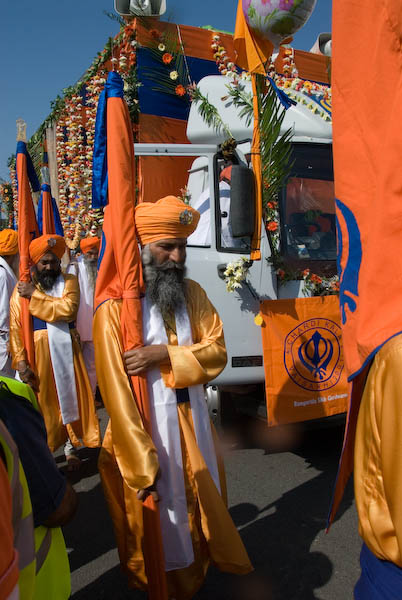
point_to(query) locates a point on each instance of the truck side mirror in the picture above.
(242, 201)
(140, 8)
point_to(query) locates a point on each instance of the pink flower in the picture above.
(285, 4)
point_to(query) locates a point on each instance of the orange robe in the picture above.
(378, 455)
(52, 309)
(128, 459)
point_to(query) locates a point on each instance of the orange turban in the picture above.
(167, 218)
(47, 243)
(8, 242)
(88, 243)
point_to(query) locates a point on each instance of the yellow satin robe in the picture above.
(52, 309)
(378, 455)
(128, 459)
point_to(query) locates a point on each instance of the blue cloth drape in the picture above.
(282, 96)
(113, 89)
(56, 215)
(33, 178)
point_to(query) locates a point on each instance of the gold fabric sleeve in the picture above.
(378, 456)
(133, 448)
(206, 358)
(16, 343)
(52, 309)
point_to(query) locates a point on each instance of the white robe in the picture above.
(8, 282)
(85, 318)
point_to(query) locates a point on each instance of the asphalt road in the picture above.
(279, 484)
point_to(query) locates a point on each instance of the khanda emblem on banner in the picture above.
(348, 265)
(315, 354)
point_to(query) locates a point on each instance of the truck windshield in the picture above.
(308, 205)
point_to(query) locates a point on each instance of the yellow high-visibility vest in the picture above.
(45, 570)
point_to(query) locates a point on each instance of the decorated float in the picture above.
(169, 72)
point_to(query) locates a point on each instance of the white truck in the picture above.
(215, 244)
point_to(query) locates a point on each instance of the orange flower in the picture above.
(180, 90)
(316, 279)
(167, 58)
(306, 272)
(335, 286)
(271, 204)
(272, 226)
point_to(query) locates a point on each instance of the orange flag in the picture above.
(27, 231)
(120, 277)
(252, 50)
(48, 225)
(253, 53)
(367, 106)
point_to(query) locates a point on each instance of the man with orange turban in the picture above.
(8, 268)
(59, 372)
(85, 268)
(184, 349)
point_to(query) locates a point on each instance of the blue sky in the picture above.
(47, 45)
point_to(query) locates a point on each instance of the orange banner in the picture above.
(367, 105)
(305, 377)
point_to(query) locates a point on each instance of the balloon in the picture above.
(277, 19)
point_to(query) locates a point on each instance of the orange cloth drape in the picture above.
(48, 226)
(368, 181)
(27, 231)
(120, 277)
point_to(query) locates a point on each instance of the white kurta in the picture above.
(8, 282)
(85, 318)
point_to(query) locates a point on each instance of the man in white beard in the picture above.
(85, 268)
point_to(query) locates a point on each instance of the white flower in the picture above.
(173, 75)
(162, 47)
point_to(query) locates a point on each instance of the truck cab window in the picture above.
(308, 208)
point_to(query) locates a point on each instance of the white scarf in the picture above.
(176, 535)
(62, 359)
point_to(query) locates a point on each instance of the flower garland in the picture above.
(225, 65)
(75, 133)
(13, 215)
(315, 96)
(6, 193)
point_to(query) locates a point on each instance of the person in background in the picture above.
(43, 500)
(65, 396)
(9, 258)
(85, 268)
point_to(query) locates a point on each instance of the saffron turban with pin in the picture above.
(8, 242)
(47, 243)
(88, 243)
(167, 218)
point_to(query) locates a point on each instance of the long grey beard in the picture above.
(165, 285)
(91, 269)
